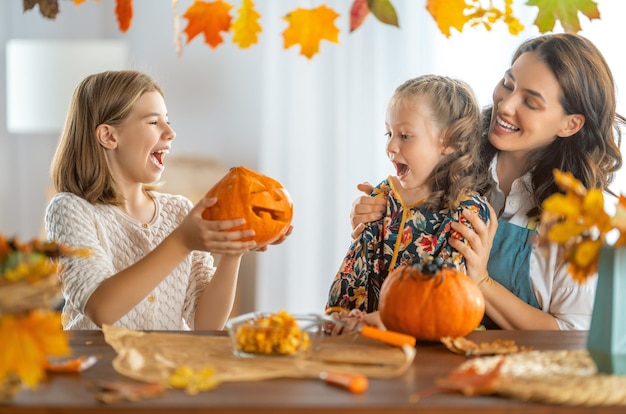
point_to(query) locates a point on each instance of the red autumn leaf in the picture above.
(358, 13)
(308, 27)
(470, 382)
(209, 19)
(124, 13)
(565, 11)
(47, 8)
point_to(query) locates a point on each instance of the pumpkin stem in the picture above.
(430, 267)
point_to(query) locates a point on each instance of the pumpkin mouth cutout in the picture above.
(264, 213)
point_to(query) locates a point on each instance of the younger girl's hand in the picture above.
(214, 236)
(366, 209)
(478, 242)
(351, 321)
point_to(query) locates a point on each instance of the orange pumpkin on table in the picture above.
(262, 201)
(430, 301)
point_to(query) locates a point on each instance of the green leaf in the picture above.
(566, 11)
(384, 11)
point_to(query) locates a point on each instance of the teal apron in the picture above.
(509, 263)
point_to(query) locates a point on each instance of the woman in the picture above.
(554, 108)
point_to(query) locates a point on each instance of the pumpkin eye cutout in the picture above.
(262, 201)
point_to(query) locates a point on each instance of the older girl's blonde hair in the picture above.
(79, 165)
(458, 115)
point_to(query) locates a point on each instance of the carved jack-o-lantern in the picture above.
(262, 201)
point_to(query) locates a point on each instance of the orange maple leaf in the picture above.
(448, 14)
(208, 18)
(308, 27)
(246, 26)
(124, 13)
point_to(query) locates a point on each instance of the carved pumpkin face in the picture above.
(262, 201)
(430, 301)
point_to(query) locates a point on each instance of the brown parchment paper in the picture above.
(153, 356)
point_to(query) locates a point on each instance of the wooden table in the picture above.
(68, 393)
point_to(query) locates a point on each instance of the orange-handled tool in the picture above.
(355, 383)
(389, 337)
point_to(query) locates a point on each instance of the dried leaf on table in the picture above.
(47, 8)
(464, 346)
(116, 391)
(124, 13)
(208, 18)
(468, 381)
(246, 26)
(308, 27)
(566, 12)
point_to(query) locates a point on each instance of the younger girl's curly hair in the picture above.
(458, 115)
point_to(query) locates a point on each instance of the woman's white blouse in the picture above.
(557, 293)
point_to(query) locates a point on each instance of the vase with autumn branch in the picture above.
(30, 328)
(593, 240)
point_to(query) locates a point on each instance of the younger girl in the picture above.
(149, 266)
(433, 124)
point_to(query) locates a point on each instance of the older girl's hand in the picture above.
(478, 242)
(214, 236)
(366, 209)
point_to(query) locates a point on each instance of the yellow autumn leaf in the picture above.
(308, 27)
(619, 220)
(246, 26)
(26, 343)
(585, 258)
(565, 231)
(448, 14)
(567, 182)
(593, 210)
(567, 205)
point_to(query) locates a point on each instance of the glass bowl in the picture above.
(273, 334)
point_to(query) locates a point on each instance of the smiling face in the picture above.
(136, 148)
(527, 112)
(414, 145)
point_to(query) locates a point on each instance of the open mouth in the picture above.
(505, 125)
(158, 157)
(401, 169)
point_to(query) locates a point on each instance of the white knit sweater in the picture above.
(118, 241)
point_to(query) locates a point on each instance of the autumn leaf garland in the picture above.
(308, 27)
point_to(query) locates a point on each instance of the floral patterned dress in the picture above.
(405, 235)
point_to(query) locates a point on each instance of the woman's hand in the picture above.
(366, 209)
(479, 239)
(214, 236)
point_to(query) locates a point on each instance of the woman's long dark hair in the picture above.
(592, 155)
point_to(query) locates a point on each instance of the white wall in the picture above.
(215, 96)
